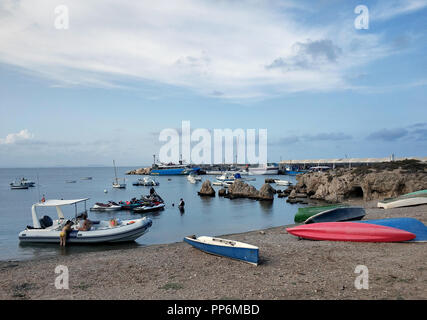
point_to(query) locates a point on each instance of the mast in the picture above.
(115, 172)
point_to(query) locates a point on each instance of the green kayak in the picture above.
(305, 213)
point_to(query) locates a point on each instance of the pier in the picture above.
(343, 162)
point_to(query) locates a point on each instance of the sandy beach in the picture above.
(290, 269)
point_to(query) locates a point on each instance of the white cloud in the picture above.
(206, 46)
(20, 137)
(393, 8)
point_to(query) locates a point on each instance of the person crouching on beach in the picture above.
(64, 233)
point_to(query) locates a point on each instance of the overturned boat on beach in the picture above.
(46, 230)
(226, 248)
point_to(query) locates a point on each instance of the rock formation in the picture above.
(240, 189)
(373, 182)
(206, 189)
(141, 171)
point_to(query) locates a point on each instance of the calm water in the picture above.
(202, 216)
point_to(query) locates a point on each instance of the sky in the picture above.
(86, 82)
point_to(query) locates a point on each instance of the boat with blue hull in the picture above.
(407, 224)
(173, 170)
(225, 248)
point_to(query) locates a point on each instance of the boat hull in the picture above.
(125, 233)
(249, 255)
(350, 231)
(304, 213)
(408, 224)
(173, 172)
(338, 214)
(404, 202)
(143, 209)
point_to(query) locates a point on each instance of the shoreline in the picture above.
(289, 269)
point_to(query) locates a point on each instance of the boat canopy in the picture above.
(56, 203)
(53, 203)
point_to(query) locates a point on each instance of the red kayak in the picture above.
(350, 231)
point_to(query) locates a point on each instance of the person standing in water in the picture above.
(181, 203)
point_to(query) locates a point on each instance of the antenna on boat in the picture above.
(38, 187)
(115, 171)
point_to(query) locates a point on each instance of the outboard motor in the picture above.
(45, 222)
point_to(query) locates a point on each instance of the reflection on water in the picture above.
(266, 206)
(212, 216)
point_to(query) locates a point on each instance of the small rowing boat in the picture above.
(225, 248)
(337, 215)
(350, 231)
(304, 213)
(406, 200)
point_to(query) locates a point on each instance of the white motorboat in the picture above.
(226, 176)
(217, 183)
(226, 184)
(191, 179)
(48, 230)
(146, 181)
(110, 206)
(264, 169)
(18, 185)
(282, 182)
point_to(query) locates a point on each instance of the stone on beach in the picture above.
(206, 189)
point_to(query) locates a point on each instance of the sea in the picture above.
(212, 216)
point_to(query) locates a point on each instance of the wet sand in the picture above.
(289, 269)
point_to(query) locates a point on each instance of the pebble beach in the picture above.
(290, 269)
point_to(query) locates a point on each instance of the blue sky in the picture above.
(104, 88)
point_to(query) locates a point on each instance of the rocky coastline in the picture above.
(379, 181)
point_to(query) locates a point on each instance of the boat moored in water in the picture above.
(46, 230)
(146, 181)
(110, 206)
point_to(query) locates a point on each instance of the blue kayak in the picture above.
(408, 224)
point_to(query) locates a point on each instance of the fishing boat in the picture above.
(109, 206)
(146, 181)
(282, 182)
(408, 224)
(294, 170)
(48, 230)
(337, 214)
(70, 181)
(225, 248)
(149, 207)
(16, 185)
(116, 183)
(350, 231)
(269, 168)
(406, 200)
(172, 169)
(304, 213)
